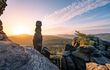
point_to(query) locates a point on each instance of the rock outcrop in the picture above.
(45, 52)
(15, 57)
(37, 40)
(95, 56)
(2, 6)
(3, 36)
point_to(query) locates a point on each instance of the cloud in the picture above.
(94, 25)
(78, 7)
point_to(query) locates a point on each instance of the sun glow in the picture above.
(17, 30)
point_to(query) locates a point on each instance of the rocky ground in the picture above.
(15, 57)
(87, 58)
(92, 54)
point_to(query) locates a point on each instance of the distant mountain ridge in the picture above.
(69, 36)
(23, 39)
(104, 36)
(50, 40)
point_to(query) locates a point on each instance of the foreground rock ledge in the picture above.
(15, 57)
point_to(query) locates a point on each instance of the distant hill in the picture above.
(23, 39)
(48, 40)
(104, 36)
(51, 40)
(69, 36)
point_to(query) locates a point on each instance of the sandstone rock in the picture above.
(100, 59)
(1, 23)
(15, 57)
(1, 27)
(37, 40)
(69, 47)
(100, 47)
(3, 36)
(45, 52)
(108, 66)
(95, 66)
(70, 62)
(93, 51)
(84, 53)
(90, 54)
(102, 67)
(91, 66)
(2, 6)
(108, 50)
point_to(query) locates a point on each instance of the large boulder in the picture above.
(91, 54)
(71, 62)
(92, 51)
(15, 57)
(93, 58)
(84, 53)
(99, 58)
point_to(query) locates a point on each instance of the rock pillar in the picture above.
(3, 36)
(2, 6)
(37, 40)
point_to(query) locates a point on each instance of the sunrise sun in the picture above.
(20, 30)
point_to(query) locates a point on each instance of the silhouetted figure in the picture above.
(37, 40)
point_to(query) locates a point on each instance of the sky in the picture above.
(57, 16)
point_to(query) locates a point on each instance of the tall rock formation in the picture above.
(37, 40)
(3, 36)
(2, 6)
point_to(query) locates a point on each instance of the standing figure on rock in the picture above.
(37, 40)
